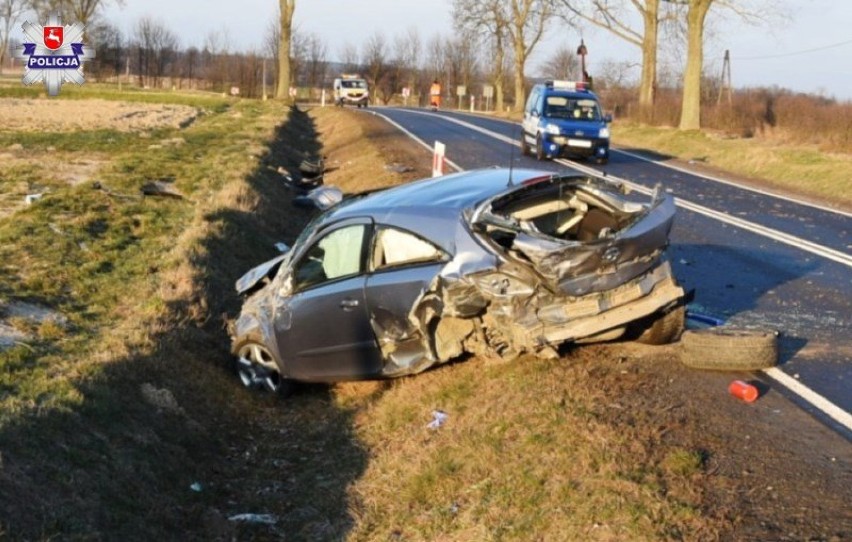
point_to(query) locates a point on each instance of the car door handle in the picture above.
(348, 303)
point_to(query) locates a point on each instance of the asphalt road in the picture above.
(755, 259)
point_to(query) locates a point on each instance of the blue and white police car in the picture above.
(564, 118)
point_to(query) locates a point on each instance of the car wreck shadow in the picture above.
(163, 442)
(742, 288)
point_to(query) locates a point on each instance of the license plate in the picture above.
(580, 143)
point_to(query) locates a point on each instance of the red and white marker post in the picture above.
(438, 159)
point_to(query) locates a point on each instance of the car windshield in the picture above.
(562, 107)
(357, 83)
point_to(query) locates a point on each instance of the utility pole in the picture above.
(726, 87)
(582, 52)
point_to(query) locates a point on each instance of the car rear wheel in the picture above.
(729, 349)
(256, 368)
(661, 329)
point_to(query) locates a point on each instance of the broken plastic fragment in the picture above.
(266, 519)
(438, 419)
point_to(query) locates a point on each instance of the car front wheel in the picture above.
(256, 368)
(539, 149)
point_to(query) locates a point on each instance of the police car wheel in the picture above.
(539, 149)
(525, 149)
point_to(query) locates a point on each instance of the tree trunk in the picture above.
(520, 84)
(690, 115)
(648, 84)
(286, 22)
(499, 58)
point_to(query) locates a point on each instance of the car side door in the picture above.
(402, 267)
(322, 327)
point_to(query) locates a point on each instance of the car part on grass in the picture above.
(729, 349)
(322, 198)
(162, 188)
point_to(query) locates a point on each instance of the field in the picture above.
(120, 418)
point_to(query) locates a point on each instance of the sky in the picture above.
(811, 51)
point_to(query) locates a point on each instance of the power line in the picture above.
(795, 53)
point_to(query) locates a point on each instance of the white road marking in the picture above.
(805, 393)
(818, 401)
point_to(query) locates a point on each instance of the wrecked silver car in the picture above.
(492, 262)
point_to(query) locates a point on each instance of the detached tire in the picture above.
(728, 349)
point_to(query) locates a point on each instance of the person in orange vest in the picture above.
(435, 94)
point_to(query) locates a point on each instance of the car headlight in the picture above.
(604, 133)
(552, 129)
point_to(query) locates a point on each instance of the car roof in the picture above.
(434, 205)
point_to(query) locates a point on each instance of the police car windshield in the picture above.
(563, 107)
(358, 83)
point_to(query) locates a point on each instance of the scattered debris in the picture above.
(438, 419)
(284, 173)
(312, 170)
(398, 168)
(161, 188)
(743, 390)
(264, 519)
(322, 198)
(160, 398)
(196, 486)
(282, 247)
(30, 198)
(9, 336)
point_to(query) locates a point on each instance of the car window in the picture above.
(394, 247)
(336, 255)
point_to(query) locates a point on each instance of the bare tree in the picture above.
(317, 61)
(407, 50)
(349, 58)
(10, 12)
(109, 42)
(527, 22)
(523, 22)
(288, 7)
(375, 58)
(751, 11)
(561, 64)
(81, 11)
(614, 16)
(690, 113)
(156, 49)
(490, 19)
